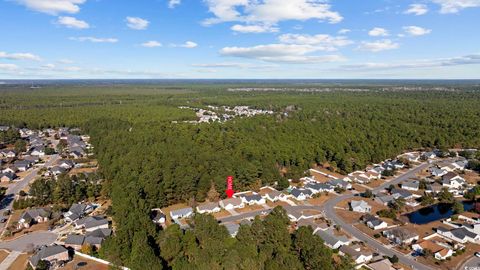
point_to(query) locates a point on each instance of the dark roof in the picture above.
(254, 197)
(402, 192)
(46, 252)
(73, 239)
(297, 192)
(461, 233)
(102, 233)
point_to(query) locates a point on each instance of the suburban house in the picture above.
(357, 255)
(38, 151)
(384, 264)
(434, 188)
(232, 228)
(374, 223)
(401, 193)
(77, 211)
(331, 240)
(438, 172)
(7, 177)
(401, 236)
(274, 196)
(429, 155)
(208, 208)
(158, 217)
(32, 216)
(52, 254)
(232, 203)
(22, 165)
(93, 223)
(94, 239)
(181, 213)
(57, 170)
(453, 180)
(319, 187)
(301, 194)
(460, 235)
(8, 153)
(340, 183)
(384, 199)
(411, 185)
(360, 207)
(253, 199)
(66, 164)
(439, 252)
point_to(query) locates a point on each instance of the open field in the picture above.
(80, 263)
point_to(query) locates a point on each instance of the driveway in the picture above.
(29, 241)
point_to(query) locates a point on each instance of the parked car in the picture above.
(477, 254)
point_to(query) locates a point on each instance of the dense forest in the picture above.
(148, 161)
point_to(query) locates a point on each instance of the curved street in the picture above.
(331, 214)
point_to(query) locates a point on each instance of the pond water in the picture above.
(435, 212)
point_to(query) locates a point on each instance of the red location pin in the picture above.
(229, 190)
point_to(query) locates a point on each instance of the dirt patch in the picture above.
(425, 229)
(334, 174)
(249, 208)
(221, 214)
(3, 255)
(471, 177)
(320, 200)
(20, 262)
(90, 264)
(82, 170)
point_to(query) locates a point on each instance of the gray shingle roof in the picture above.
(46, 252)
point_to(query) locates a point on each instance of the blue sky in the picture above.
(280, 39)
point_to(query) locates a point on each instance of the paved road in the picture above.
(29, 241)
(7, 202)
(330, 213)
(472, 264)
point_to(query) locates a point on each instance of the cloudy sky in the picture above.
(46, 39)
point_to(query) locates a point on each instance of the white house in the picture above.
(439, 252)
(360, 207)
(232, 203)
(331, 240)
(181, 213)
(460, 235)
(301, 194)
(412, 185)
(453, 180)
(358, 256)
(208, 208)
(375, 223)
(253, 199)
(401, 236)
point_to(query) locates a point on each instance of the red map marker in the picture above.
(229, 190)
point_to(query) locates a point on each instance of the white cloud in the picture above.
(416, 30)
(280, 53)
(380, 45)
(473, 59)
(188, 45)
(65, 61)
(53, 7)
(95, 39)
(378, 32)
(174, 3)
(270, 12)
(417, 9)
(137, 23)
(292, 48)
(344, 31)
(8, 67)
(72, 22)
(232, 65)
(151, 44)
(254, 28)
(455, 6)
(19, 56)
(321, 42)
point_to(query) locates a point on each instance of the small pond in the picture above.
(435, 212)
